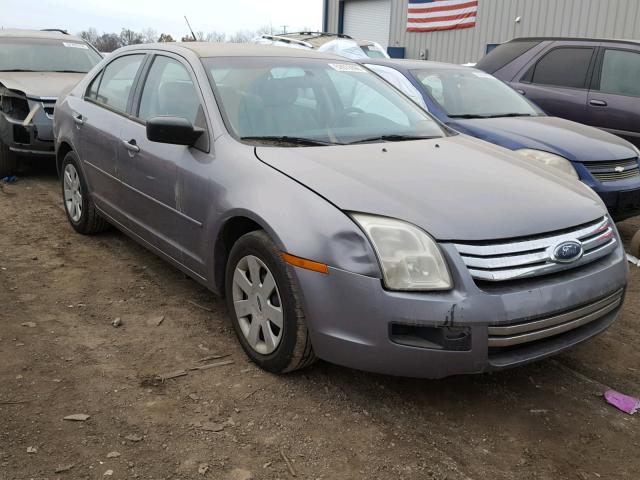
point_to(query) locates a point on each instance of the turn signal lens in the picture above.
(304, 263)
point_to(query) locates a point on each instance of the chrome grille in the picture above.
(522, 258)
(613, 171)
(525, 332)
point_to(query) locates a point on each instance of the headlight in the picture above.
(551, 160)
(409, 258)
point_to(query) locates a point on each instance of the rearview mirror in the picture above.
(174, 130)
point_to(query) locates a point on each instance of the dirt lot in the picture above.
(545, 421)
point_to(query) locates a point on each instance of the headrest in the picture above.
(278, 92)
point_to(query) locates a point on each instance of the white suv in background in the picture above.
(336, 43)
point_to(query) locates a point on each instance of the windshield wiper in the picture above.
(391, 138)
(497, 115)
(287, 139)
(67, 71)
(17, 70)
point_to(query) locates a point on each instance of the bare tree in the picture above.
(264, 29)
(242, 36)
(165, 37)
(129, 37)
(108, 42)
(149, 35)
(217, 37)
(89, 35)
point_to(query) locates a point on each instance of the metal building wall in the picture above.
(496, 24)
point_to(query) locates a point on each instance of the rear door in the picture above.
(614, 99)
(101, 117)
(558, 80)
(153, 173)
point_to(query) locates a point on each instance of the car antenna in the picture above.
(190, 29)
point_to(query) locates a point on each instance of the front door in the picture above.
(151, 171)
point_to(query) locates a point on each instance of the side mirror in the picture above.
(174, 130)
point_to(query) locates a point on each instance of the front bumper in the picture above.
(351, 317)
(34, 137)
(621, 204)
(621, 197)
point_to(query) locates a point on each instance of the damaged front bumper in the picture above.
(26, 123)
(353, 321)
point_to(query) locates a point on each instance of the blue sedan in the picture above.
(477, 104)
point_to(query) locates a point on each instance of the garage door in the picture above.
(368, 20)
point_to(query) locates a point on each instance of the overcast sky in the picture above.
(164, 16)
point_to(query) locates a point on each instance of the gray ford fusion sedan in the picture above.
(339, 220)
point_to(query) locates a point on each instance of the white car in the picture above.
(338, 44)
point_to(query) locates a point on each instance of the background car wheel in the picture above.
(8, 161)
(265, 306)
(81, 211)
(635, 245)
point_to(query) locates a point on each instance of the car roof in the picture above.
(409, 64)
(45, 34)
(576, 39)
(212, 49)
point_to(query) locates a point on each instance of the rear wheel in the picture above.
(265, 306)
(81, 212)
(635, 245)
(8, 161)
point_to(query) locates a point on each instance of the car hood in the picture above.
(455, 188)
(571, 140)
(40, 84)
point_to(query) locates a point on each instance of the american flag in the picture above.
(433, 15)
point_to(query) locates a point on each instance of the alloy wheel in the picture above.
(257, 304)
(72, 192)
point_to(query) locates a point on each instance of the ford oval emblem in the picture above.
(567, 252)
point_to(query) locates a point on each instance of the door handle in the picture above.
(598, 103)
(520, 91)
(78, 119)
(131, 145)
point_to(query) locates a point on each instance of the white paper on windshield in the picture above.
(75, 45)
(347, 67)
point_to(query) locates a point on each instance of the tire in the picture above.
(293, 348)
(85, 220)
(8, 161)
(635, 244)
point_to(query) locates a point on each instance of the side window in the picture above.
(356, 94)
(169, 91)
(620, 73)
(92, 91)
(117, 80)
(562, 67)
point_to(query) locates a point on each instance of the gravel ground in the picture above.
(60, 355)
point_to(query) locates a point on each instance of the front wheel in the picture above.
(81, 212)
(265, 306)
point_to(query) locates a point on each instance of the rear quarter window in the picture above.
(504, 54)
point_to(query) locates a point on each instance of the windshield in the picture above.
(373, 51)
(328, 101)
(473, 93)
(46, 55)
